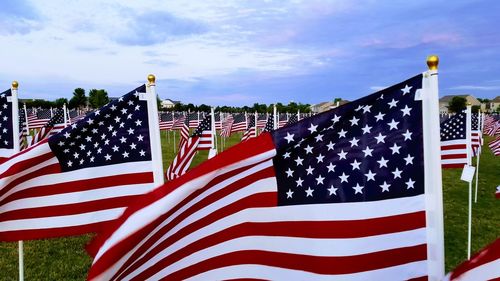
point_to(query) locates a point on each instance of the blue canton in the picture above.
(116, 133)
(454, 128)
(6, 138)
(367, 150)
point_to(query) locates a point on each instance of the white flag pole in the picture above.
(478, 152)
(275, 117)
(15, 138)
(432, 171)
(154, 131)
(469, 163)
(255, 123)
(65, 112)
(213, 150)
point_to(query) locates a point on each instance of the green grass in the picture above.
(65, 258)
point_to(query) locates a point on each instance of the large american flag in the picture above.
(80, 179)
(6, 126)
(201, 139)
(42, 116)
(339, 195)
(54, 126)
(454, 141)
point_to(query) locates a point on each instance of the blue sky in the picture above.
(223, 52)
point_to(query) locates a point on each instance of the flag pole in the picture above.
(275, 112)
(15, 132)
(154, 131)
(469, 163)
(432, 171)
(478, 153)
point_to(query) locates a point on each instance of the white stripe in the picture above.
(486, 271)
(453, 142)
(62, 221)
(454, 161)
(314, 212)
(40, 149)
(453, 151)
(400, 272)
(293, 245)
(7, 152)
(77, 197)
(83, 174)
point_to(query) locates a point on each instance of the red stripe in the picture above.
(454, 156)
(448, 166)
(51, 169)
(453, 146)
(25, 164)
(315, 264)
(486, 255)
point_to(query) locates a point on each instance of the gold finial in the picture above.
(15, 84)
(469, 104)
(432, 62)
(151, 79)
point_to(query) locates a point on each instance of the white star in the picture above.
(343, 178)
(409, 159)
(358, 189)
(331, 167)
(289, 173)
(406, 90)
(99, 150)
(142, 153)
(359, 108)
(320, 158)
(123, 139)
(308, 149)
(73, 126)
(67, 135)
(130, 131)
(125, 154)
(289, 193)
(140, 137)
(107, 156)
(379, 116)
(393, 125)
(332, 190)
(132, 146)
(367, 108)
(309, 192)
(319, 137)
(299, 182)
(393, 103)
(289, 137)
(330, 146)
(366, 129)
(342, 154)
(113, 107)
(81, 161)
(380, 138)
(355, 165)
(61, 143)
(319, 180)
(299, 161)
(117, 119)
(354, 121)
(382, 162)
(90, 121)
(406, 110)
(82, 147)
(313, 128)
(367, 151)
(88, 138)
(370, 176)
(70, 163)
(395, 148)
(124, 111)
(354, 142)
(410, 184)
(115, 148)
(385, 187)
(335, 118)
(138, 122)
(397, 173)
(286, 155)
(76, 155)
(407, 135)
(342, 133)
(92, 159)
(310, 170)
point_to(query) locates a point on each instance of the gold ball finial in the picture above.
(469, 103)
(151, 79)
(15, 84)
(432, 62)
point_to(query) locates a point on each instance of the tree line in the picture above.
(257, 107)
(95, 99)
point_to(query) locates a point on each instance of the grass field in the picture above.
(65, 258)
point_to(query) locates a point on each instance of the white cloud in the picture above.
(475, 87)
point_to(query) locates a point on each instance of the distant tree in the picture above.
(475, 108)
(337, 100)
(60, 102)
(191, 107)
(457, 104)
(79, 99)
(204, 108)
(158, 103)
(98, 98)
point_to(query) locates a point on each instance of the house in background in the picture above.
(168, 103)
(327, 105)
(495, 105)
(444, 101)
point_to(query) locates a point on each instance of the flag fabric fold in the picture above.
(337, 195)
(81, 178)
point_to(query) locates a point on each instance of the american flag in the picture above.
(179, 119)
(194, 119)
(227, 124)
(6, 127)
(201, 139)
(495, 146)
(454, 142)
(261, 120)
(476, 134)
(80, 179)
(76, 115)
(54, 126)
(336, 196)
(239, 123)
(497, 192)
(184, 131)
(23, 132)
(292, 119)
(42, 116)
(484, 265)
(269, 124)
(251, 130)
(492, 125)
(166, 120)
(282, 120)
(218, 121)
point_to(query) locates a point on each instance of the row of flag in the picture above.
(350, 193)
